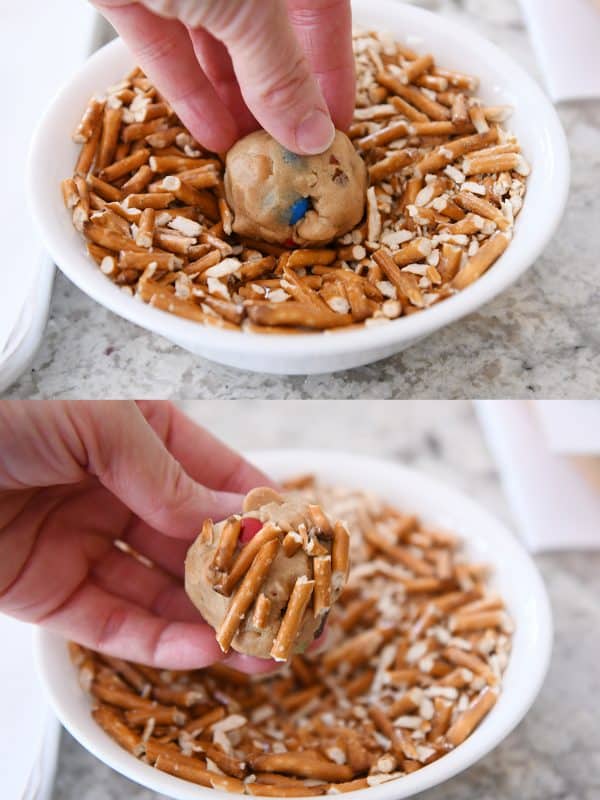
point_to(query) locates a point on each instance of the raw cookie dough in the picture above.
(278, 196)
(304, 562)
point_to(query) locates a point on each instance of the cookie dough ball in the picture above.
(266, 579)
(279, 196)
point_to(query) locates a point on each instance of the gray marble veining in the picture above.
(539, 338)
(554, 754)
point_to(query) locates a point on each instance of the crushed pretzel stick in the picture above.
(447, 181)
(395, 686)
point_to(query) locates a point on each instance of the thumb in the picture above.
(273, 73)
(130, 460)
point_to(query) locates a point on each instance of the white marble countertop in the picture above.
(554, 752)
(539, 338)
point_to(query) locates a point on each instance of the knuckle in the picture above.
(159, 643)
(163, 601)
(284, 91)
(312, 15)
(220, 17)
(110, 628)
(157, 50)
(177, 494)
(231, 21)
(237, 478)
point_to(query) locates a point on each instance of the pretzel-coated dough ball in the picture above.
(278, 196)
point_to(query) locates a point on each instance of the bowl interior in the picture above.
(515, 577)
(502, 81)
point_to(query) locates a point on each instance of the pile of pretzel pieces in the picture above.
(327, 549)
(446, 184)
(413, 663)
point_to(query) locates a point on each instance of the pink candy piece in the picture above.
(250, 527)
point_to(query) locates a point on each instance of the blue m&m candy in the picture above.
(299, 209)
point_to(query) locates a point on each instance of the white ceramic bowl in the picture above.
(515, 577)
(502, 82)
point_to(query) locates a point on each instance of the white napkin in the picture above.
(40, 47)
(555, 497)
(29, 732)
(566, 38)
(570, 426)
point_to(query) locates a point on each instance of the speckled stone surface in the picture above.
(554, 754)
(539, 338)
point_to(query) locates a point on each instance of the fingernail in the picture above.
(315, 133)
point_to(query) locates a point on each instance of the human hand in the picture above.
(227, 66)
(75, 478)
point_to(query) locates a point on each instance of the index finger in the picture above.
(108, 624)
(204, 457)
(324, 30)
(164, 50)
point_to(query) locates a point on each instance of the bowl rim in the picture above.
(519, 256)
(283, 463)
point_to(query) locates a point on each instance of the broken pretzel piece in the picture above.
(266, 579)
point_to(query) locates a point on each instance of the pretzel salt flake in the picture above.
(246, 593)
(290, 624)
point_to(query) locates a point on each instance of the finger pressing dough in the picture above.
(279, 196)
(265, 579)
